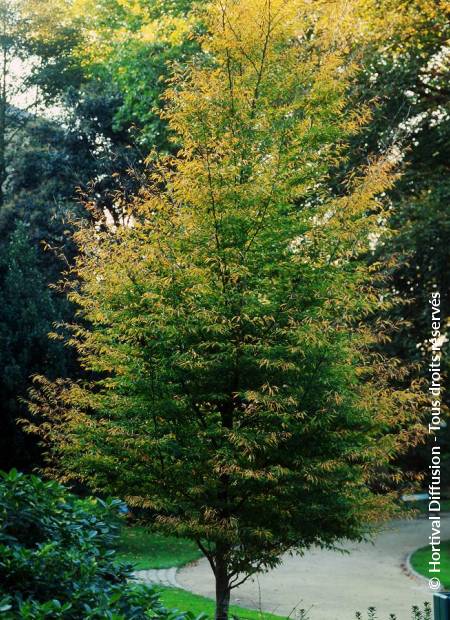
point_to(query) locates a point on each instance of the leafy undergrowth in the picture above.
(146, 549)
(57, 557)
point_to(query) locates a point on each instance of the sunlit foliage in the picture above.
(236, 393)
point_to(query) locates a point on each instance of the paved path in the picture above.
(334, 585)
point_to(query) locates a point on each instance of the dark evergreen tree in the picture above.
(27, 310)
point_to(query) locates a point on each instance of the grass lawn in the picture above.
(421, 557)
(145, 549)
(174, 598)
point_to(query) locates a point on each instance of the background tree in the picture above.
(135, 47)
(406, 70)
(38, 177)
(126, 48)
(27, 310)
(238, 394)
(11, 54)
(46, 163)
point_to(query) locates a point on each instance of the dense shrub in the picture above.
(57, 557)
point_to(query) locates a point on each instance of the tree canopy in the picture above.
(237, 390)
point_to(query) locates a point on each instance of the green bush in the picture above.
(57, 557)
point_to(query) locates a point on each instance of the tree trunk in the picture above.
(222, 590)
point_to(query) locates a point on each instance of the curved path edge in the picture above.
(158, 576)
(410, 571)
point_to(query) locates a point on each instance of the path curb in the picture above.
(411, 572)
(158, 576)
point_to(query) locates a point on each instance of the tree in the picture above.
(406, 69)
(27, 311)
(26, 64)
(136, 49)
(34, 195)
(44, 164)
(11, 49)
(125, 49)
(236, 389)
(422, 195)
